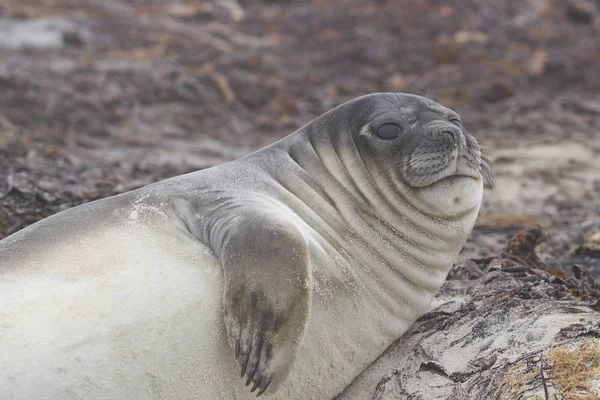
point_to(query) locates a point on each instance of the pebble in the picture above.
(499, 90)
(581, 11)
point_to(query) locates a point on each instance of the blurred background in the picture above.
(98, 97)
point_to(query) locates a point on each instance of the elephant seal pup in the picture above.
(294, 267)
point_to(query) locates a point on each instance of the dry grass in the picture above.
(573, 370)
(518, 379)
(570, 373)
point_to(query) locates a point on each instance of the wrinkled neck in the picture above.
(339, 178)
(385, 238)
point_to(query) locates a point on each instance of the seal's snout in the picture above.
(441, 150)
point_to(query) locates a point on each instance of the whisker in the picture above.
(391, 100)
(487, 166)
(399, 100)
(397, 105)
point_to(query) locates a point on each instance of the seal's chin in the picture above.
(450, 196)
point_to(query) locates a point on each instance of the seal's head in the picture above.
(420, 148)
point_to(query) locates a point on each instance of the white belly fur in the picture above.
(134, 315)
(135, 312)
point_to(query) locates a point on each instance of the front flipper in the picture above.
(267, 295)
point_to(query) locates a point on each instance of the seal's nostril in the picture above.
(453, 135)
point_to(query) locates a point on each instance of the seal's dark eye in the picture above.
(388, 131)
(457, 122)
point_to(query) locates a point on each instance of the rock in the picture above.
(285, 120)
(538, 62)
(344, 89)
(594, 238)
(73, 38)
(188, 11)
(499, 90)
(464, 37)
(396, 83)
(581, 11)
(329, 35)
(445, 50)
(521, 247)
(582, 106)
(587, 253)
(446, 11)
(501, 333)
(289, 105)
(41, 33)
(590, 248)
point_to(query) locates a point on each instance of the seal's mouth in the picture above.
(474, 175)
(428, 179)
